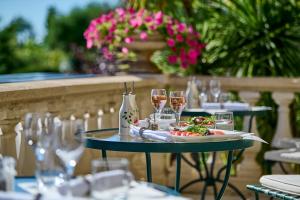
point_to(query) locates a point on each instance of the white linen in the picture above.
(291, 155)
(109, 179)
(151, 135)
(285, 183)
(24, 196)
(230, 106)
(143, 191)
(236, 106)
(209, 106)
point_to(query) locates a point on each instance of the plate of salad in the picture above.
(201, 129)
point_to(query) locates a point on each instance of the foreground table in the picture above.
(108, 139)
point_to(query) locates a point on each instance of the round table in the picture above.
(210, 178)
(108, 139)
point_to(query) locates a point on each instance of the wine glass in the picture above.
(215, 89)
(158, 100)
(69, 145)
(177, 103)
(37, 129)
(38, 134)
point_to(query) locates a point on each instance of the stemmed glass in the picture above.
(69, 144)
(158, 100)
(215, 89)
(37, 128)
(39, 135)
(177, 103)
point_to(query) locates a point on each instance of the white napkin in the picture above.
(24, 196)
(236, 106)
(143, 191)
(15, 196)
(291, 155)
(109, 179)
(151, 135)
(211, 105)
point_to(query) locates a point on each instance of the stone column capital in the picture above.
(249, 97)
(283, 98)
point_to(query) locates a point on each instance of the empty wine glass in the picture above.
(215, 89)
(177, 103)
(69, 145)
(38, 134)
(37, 128)
(158, 100)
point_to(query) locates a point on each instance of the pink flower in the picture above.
(192, 43)
(120, 11)
(179, 38)
(193, 54)
(128, 40)
(158, 18)
(171, 42)
(172, 59)
(107, 54)
(190, 29)
(143, 35)
(170, 30)
(181, 27)
(183, 58)
(148, 19)
(124, 50)
(136, 22)
(89, 43)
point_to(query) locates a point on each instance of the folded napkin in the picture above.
(81, 186)
(211, 105)
(158, 135)
(144, 191)
(237, 106)
(291, 155)
(285, 183)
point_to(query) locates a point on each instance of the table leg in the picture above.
(104, 156)
(178, 170)
(148, 166)
(227, 174)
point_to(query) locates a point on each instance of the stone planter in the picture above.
(144, 51)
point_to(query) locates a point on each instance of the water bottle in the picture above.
(135, 109)
(125, 115)
(192, 94)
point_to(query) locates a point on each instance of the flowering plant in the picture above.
(112, 31)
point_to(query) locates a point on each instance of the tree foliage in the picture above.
(63, 31)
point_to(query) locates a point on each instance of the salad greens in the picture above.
(202, 130)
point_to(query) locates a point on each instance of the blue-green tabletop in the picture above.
(110, 140)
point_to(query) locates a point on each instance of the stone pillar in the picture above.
(283, 129)
(251, 98)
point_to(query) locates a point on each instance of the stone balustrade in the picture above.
(97, 100)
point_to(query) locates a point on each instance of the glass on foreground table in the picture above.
(112, 187)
